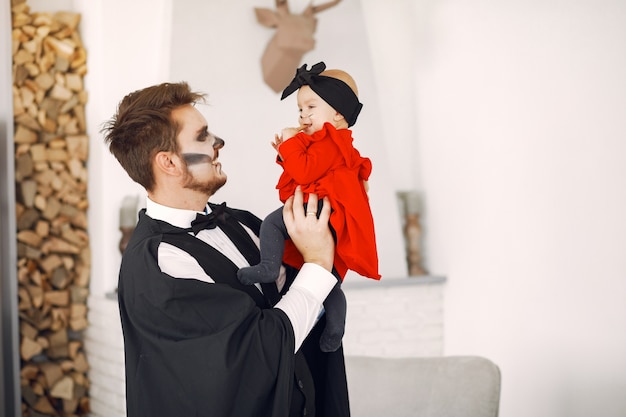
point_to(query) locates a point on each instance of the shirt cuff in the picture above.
(316, 280)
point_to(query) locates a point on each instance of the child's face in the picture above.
(314, 111)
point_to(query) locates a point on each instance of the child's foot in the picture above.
(330, 340)
(262, 273)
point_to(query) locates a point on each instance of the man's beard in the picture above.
(206, 187)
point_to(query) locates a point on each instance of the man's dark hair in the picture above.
(143, 126)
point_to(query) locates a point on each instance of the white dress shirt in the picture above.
(303, 302)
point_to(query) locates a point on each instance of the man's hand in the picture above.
(311, 235)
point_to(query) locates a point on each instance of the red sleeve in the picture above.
(304, 157)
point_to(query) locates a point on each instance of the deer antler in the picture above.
(324, 6)
(282, 5)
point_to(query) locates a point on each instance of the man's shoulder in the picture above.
(147, 230)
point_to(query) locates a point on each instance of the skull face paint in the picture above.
(197, 158)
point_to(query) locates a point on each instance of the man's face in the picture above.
(200, 149)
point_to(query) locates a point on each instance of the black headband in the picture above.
(335, 92)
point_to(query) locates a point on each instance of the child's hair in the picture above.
(342, 76)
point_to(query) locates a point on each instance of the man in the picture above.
(197, 342)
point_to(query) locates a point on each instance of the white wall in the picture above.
(520, 109)
(391, 34)
(127, 49)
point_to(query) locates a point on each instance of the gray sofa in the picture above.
(448, 386)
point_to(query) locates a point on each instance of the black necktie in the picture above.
(211, 220)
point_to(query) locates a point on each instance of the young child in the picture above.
(319, 157)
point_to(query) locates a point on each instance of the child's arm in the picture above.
(305, 161)
(286, 134)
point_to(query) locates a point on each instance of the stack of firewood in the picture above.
(51, 147)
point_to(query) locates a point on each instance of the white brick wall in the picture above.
(104, 345)
(394, 317)
(389, 318)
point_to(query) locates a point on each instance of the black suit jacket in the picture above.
(198, 349)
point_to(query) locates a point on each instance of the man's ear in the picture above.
(168, 163)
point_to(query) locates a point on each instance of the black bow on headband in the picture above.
(303, 77)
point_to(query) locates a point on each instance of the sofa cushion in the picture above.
(448, 386)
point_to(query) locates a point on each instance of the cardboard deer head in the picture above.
(293, 38)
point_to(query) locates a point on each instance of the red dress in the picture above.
(327, 164)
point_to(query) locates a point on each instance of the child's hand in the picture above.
(276, 144)
(285, 134)
(289, 132)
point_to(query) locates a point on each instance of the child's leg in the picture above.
(335, 306)
(272, 235)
